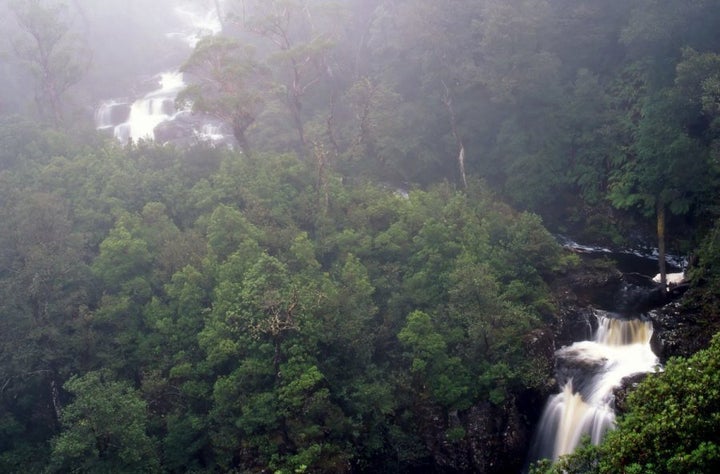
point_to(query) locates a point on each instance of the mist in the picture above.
(359, 235)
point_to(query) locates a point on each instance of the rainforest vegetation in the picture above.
(371, 257)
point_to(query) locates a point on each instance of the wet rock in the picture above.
(627, 385)
(574, 323)
(591, 284)
(186, 129)
(112, 114)
(680, 331)
(540, 347)
(171, 131)
(485, 438)
(571, 365)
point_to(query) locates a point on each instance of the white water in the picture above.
(619, 348)
(104, 114)
(210, 132)
(198, 23)
(646, 253)
(148, 112)
(158, 106)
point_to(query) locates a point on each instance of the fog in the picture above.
(125, 41)
(323, 236)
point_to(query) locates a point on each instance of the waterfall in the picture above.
(198, 23)
(140, 118)
(111, 112)
(148, 112)
(588, 372)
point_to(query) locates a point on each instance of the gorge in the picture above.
(588, 372)
(154, 116)
(611, 342)
(364, 273)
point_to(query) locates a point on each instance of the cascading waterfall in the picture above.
(198, 22)
(138, 119)
(151, 110)
(589, 371)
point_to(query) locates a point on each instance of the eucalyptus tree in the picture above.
(229, 83)
(667, 169)
(55, 57)
(297, 36)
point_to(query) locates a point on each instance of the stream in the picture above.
(155, 116)
(588, 371)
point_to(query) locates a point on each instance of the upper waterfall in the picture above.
(141, 118)
(197, 22)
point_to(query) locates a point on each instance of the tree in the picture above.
(43, 289)
(124, 262)
(104, 428)
(53, 56)
(300, 49)
(433, 48)
(228, 84)
(668, 169)
(447, 379)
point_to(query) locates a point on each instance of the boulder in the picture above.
(627, 385)
(679, 331)
(672, 279)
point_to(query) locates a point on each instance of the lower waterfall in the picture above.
(588, 372)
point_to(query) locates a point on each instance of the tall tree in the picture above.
(52, 54)
(300, 48)
(104, 429)
(228, 84)
(666, 170)
(669, 167)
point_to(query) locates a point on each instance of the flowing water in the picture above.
(148, 112)
(131, 120)
(589, 371)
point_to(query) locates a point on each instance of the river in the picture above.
(154, 116)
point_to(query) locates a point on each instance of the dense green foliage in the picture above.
(317, 304)
(571, 109)
(204, 310)
(672, 424)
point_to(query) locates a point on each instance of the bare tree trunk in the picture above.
(218, 10)
(295, 93)
(296, 112)
(321, 161)
(447, 99)
(661, 245)
(241, 138)
(331, 123)
(55, 394)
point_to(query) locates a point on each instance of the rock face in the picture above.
(488, 438)
(111, 113)
(188, 128)
(483, 439)
(576, 292)
(680, 331)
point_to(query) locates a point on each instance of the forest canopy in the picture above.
(369, 262)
